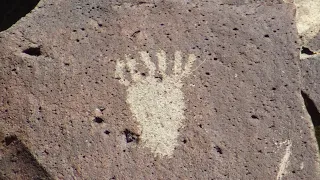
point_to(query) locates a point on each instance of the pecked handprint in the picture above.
(157, 103)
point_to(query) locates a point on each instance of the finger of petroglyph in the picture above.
(285, 161)
(131, 63)
(188, 65)
(145, 57)
(177, 63)
(162, 62)
(119, 73)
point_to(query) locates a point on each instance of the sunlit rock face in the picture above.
(156, 90)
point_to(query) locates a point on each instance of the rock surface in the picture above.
(310, 69)
(16, 162)
(230, 109)
(308, 24)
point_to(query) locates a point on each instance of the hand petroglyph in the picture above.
(157, 104)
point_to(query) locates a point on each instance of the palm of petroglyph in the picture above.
(158, 106)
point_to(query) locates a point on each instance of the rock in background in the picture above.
(310, 90)
(308, 27)
(244, 116)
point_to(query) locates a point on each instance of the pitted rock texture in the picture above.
(310, 71)
(16, 162)
(244, 115)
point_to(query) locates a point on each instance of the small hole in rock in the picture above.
(33, 51)
(9, 139)
(98, 120)
(107, 132)
(101, 108)
(160, 78)
(218, 149)
(307, 51)
(254, 117)
(130, 136)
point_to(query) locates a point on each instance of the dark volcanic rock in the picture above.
(16, 162)
(234, 112)
(314, 43)
(310, 71)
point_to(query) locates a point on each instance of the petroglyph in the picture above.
(285, 160)
(157, 103)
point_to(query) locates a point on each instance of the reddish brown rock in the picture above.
(17, 162)
(239, 112)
